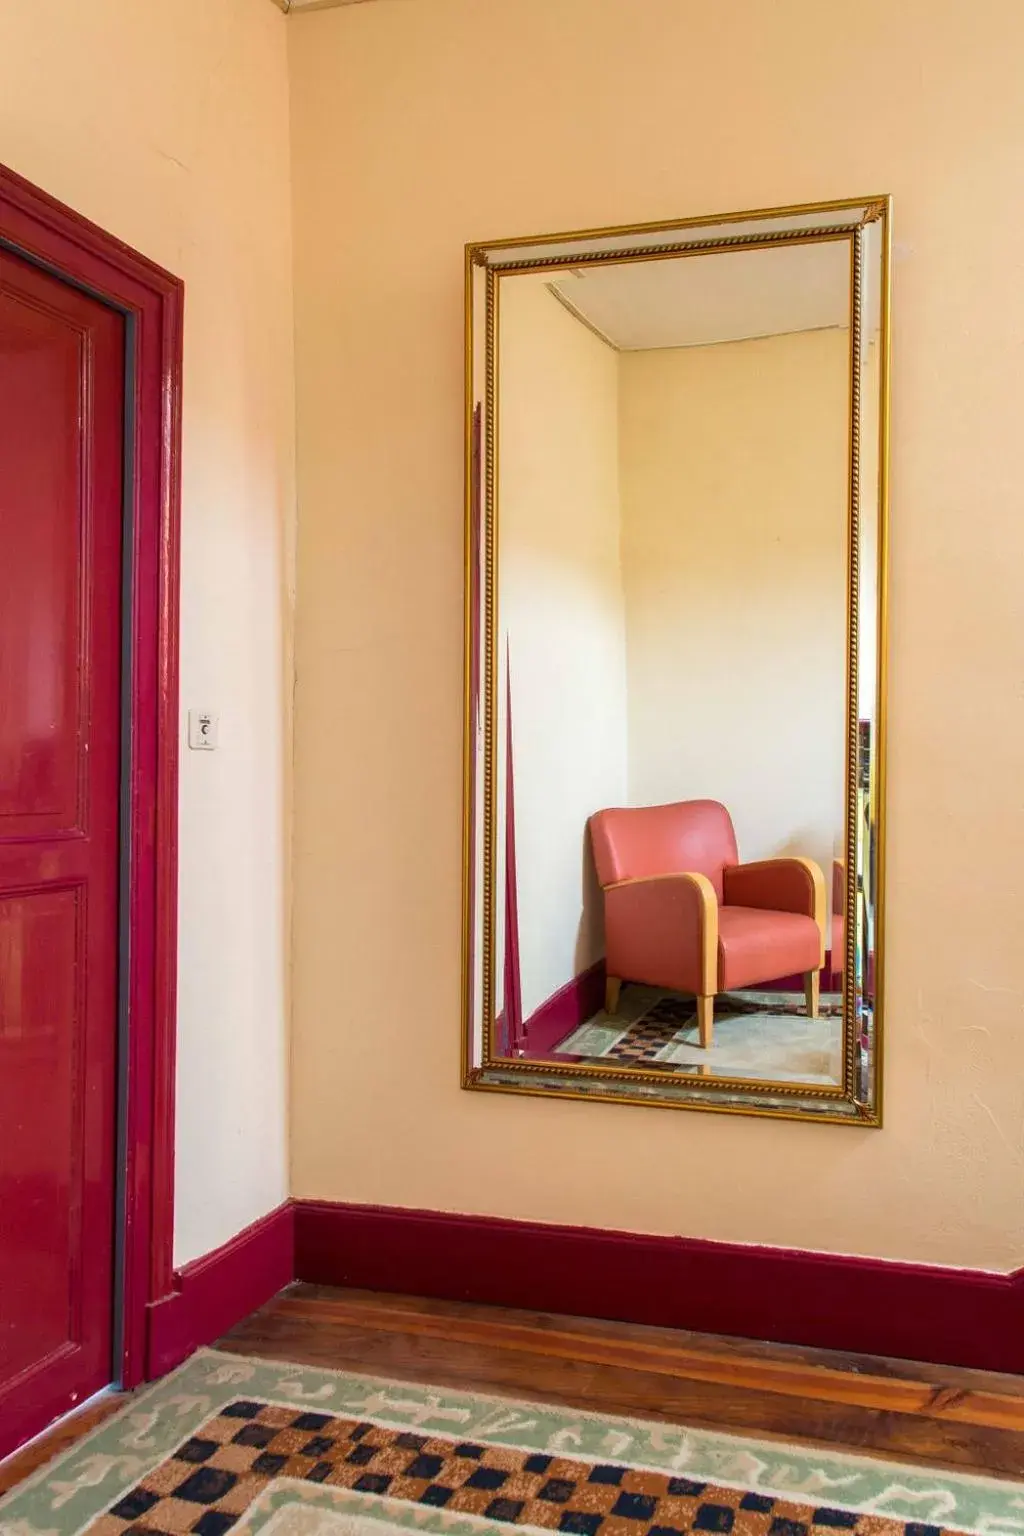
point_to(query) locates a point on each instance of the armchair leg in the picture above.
(612, 988)
(812, 982)
(706, 1020)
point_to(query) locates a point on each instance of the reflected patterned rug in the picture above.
(757, 1034)
(227, 1443)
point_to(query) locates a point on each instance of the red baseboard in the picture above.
(864, 1306)
(568, 1008)
(916, 1312)
(215, 1292)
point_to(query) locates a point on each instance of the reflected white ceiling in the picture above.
(726, 296)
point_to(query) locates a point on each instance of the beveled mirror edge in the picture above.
(636, 1086)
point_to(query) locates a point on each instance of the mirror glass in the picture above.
(675, 460)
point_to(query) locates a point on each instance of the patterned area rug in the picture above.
(231, 1444)
(757, 1034)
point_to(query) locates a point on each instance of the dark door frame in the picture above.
(35, 226)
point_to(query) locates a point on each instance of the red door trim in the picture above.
(37, 226)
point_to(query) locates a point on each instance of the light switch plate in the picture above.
(202, 730)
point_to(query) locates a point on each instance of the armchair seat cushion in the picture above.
(755, 946)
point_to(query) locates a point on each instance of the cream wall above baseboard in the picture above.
(167, 124)
(418, 127)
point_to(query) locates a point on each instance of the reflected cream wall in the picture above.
(418, 126)
(561, 613)
(167, 123)
(734, 473)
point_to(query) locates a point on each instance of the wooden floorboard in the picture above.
(938, 1415)
(63, 1435)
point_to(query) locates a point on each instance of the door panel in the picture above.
(38, 943)
(61, 444)
(42, 574)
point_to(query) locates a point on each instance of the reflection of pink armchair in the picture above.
(682, 912)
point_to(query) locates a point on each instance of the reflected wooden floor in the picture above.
(938, 1415)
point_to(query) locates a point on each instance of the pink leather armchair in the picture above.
(682, 912)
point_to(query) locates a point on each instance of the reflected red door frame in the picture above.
(37, 227)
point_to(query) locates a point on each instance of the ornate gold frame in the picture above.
(848, 1103)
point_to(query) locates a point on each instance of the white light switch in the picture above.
(202, 730)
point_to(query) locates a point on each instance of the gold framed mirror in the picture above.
(676, 516)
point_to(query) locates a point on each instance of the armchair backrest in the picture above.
(695, 835)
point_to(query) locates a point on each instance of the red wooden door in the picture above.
(62, 357)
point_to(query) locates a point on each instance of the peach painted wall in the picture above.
(561, 612)
(166, 121)
(417, 127)
(734, 470)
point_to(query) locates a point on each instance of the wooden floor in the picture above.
(940, 1415)
(937, 1415)
(63, 1435)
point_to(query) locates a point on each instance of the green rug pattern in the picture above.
(101, 1481)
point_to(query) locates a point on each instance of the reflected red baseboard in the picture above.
(215, 1292)
(568, 1008)
(912, 1311)
(831, 981)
